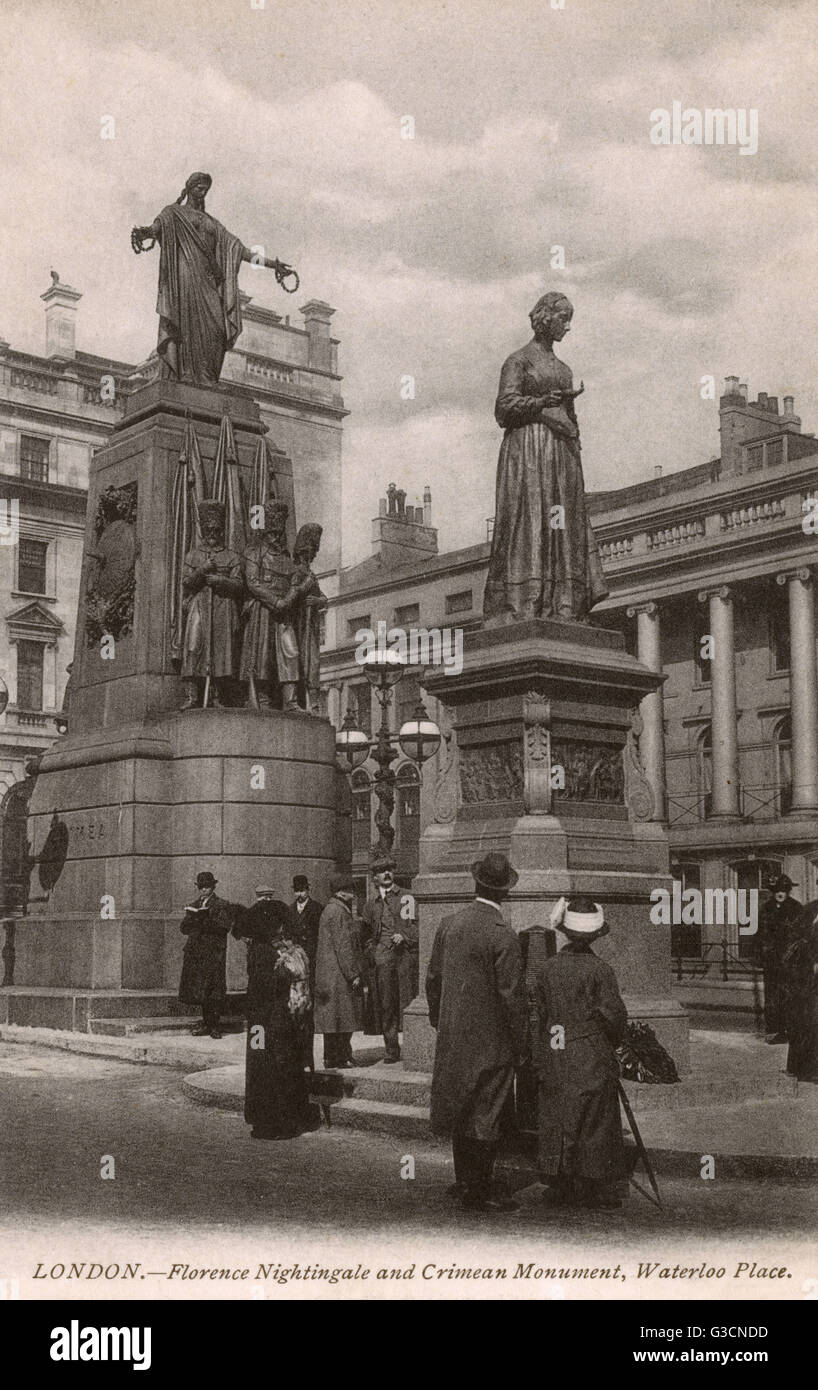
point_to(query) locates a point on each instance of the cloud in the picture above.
(531, 130)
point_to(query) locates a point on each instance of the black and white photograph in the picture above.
(408, 674)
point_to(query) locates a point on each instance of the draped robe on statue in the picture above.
(198, 302)
(539, 569)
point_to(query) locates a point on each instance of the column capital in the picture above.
(803, 572)
(650, 606)
(722, 591)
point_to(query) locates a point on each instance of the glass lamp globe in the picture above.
(420, 736)
(384, 668)
(351, 744)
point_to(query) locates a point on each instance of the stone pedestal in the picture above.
(548, 772)
(140, 797)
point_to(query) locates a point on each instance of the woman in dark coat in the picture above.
(276, 1097)
(800, 993)
(580, 1020)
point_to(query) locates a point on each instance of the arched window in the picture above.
(407, 787)
(704, 769)
(361, 810)
(783, 765)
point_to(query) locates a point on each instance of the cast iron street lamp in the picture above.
(418, 738)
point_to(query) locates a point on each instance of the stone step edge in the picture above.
(150, 1052)
(413, 1121)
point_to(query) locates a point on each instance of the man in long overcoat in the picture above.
(580, 1021)
(477, 1002)
(339, 970)
(390, 940)
(304, 915)
(207, 922)
(779, 918)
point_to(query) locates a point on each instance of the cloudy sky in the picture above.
(531, 130)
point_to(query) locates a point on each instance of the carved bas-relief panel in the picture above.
(491, 772)
(594, 772)
(111, 586)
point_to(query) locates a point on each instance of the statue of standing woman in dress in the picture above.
(544, 561)
(198, 303)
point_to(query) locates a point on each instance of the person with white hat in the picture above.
(580, 1020)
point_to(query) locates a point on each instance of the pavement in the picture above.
(103, 1160)
(737, 1107)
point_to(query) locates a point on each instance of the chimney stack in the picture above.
(60, 318)
(317, 317)
(789, 405)
(427, 506)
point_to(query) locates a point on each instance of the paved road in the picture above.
(191, 1173)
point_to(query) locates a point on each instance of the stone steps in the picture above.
(33, 1006)
(130, 1027)
(405, 1121)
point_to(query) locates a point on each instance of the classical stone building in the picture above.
(711, 572)
(55, 409)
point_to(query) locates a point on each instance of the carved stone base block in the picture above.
(548, 771)
(140, 811)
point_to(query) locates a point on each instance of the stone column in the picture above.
(803, 690)
(652, 738)
(723, 725)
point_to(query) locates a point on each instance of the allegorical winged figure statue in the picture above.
(198, 303)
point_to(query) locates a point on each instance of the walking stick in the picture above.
(643, 1153)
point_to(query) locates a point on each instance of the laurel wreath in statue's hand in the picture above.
(284, 272)
(139, 237)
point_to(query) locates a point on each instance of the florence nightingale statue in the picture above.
(544, 561)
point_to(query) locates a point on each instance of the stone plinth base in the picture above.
(546, 722)
(142, 810)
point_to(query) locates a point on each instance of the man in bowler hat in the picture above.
(475, 988)
(206, 924)
(304, 915)
(390, 940)
(778, 919)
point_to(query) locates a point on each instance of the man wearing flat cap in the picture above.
(206, 924)
(778, 920)
(339, 969)
(390, 940)
(476, 993)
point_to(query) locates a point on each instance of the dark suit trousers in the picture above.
(386, 974)
(473, 1165)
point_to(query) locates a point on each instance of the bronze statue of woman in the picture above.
(198, 303)
(544, 561)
